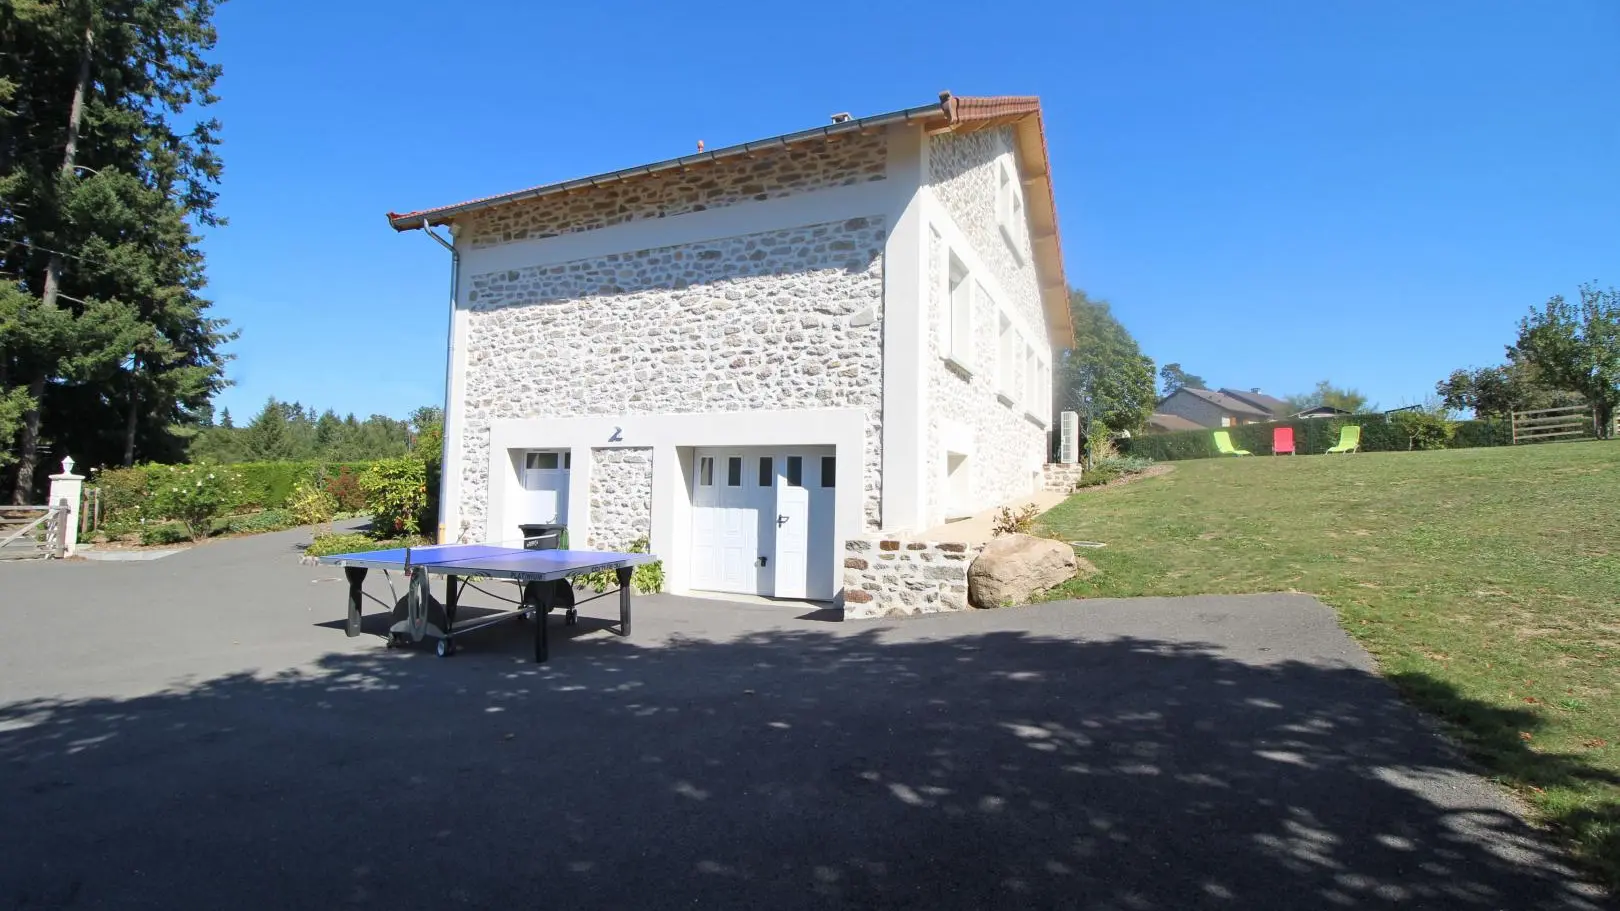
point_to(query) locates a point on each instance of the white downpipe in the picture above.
(449, 377)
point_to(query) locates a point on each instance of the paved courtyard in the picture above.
(197, 732)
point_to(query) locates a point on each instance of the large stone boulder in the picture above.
(1013, 567)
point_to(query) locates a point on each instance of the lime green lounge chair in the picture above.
(1223, 442)
(1349, 439)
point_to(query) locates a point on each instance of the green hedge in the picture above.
(268, 485)
(1311, 436)
(265, 485)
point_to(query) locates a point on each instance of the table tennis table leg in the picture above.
(356, 576)
(452, 591)
(624, 575)
(542, 596)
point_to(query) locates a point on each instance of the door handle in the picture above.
(781, 521)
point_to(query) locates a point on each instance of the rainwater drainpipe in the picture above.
(449, 376)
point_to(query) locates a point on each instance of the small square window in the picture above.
(767, 471)
(706, 472)
(829, 471)
(734, 471)
(795, 471)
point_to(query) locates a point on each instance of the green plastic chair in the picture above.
(1223, 442)
(1349, 439)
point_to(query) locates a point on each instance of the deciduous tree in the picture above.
(1173, 377)
(1106, 378)
(1576, 347)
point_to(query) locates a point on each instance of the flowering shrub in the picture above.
(396, 494)
(311, 504)
(344, 487)
(194, 495)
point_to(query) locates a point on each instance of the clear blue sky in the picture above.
(1269, 193)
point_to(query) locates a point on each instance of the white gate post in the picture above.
(67, 489)
(1068, 438)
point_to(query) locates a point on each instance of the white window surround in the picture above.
(1010, 205)
(942, 224)
(1008, 345)
(956, 317)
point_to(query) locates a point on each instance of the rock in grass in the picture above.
(1013, 567)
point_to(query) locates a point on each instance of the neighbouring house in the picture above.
(1321, 411)
(1170, 423)
(1205, 408)
(752, 354)
(1270, 404)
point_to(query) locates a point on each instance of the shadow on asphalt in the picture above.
(779, 769)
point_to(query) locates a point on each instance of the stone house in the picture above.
(751, 355)
(1207, 408)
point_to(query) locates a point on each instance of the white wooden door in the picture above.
(792, 557)
(545, 488)
(726, 512)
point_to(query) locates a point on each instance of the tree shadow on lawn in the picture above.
(776, 769)
(1499, 739)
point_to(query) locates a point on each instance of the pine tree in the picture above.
(103, 169)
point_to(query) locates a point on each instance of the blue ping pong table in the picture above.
(541, 575)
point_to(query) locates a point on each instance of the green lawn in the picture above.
(1485, 581)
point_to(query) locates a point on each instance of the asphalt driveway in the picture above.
(197, 732)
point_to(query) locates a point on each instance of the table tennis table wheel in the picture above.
(572, 618)
(445, 648)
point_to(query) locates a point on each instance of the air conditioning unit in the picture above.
(1069, 438)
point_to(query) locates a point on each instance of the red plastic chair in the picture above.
(1282, 440)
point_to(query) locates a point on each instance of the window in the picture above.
(546, 461)
(1031, 396)
(829, 471)
(956, 323)
(767, 472)
(734, 471)
(1010, 206)
(1007, 382)
(706, 472)
(795, 471)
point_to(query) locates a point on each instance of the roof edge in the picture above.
(422, 218)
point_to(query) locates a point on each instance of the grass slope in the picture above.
(1485, 581)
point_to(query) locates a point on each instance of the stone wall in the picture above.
(621, 497)
(1060, 478)
(892, 577)
(771, 321)
(850, 160)
(1008, 447)
(962, 176)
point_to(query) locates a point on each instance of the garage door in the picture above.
(762, 521)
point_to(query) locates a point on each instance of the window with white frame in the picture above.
(956, 323)
(1030, 396)
(1010, 206)
(1007, 349)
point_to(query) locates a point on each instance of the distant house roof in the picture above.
(1222, 401)
(1320, 411)
(1172, 422)
(1268, 403)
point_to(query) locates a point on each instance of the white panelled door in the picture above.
(792, 541)
(545, 487)
(758, 519)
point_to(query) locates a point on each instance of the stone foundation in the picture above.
(896, 577)
(1060, 478)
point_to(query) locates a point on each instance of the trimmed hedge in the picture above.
(264, 485)
(1311, 436)
(269, 485)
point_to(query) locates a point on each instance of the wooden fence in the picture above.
(1544, 424)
